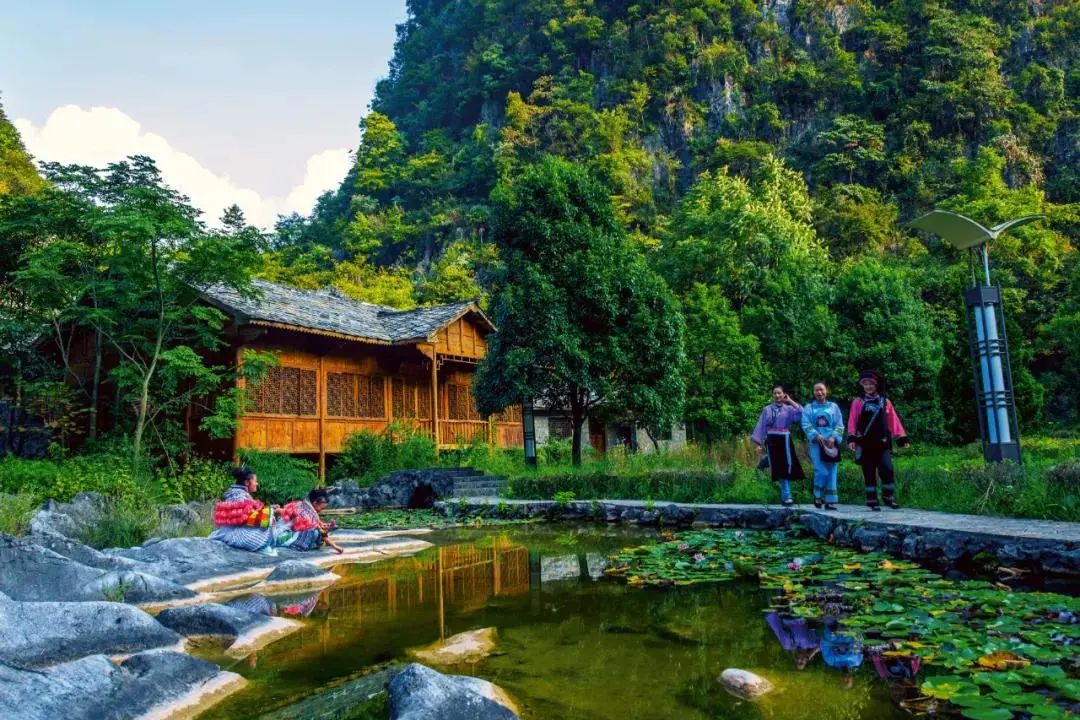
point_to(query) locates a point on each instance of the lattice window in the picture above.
(559, 427)
(285, 391)
(354, 396)
(460, 404)
(411, 399)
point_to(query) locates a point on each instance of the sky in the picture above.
(255, 103)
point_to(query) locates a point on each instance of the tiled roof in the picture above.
(330, 311)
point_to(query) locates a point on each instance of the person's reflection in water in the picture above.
(294, 606)
(898, 668)
(794, 634)
(843, 652)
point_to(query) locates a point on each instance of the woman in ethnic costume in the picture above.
(242, 521)
(823, 424)
(872, 425)
(306, 530)
(773, 436)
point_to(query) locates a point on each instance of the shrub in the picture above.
(555, 452)
(16, 511)
(1064, 477)
(281, 477)
(368, 456)
(199, 480)
(32, 476)
(103, 473)
(124, 521)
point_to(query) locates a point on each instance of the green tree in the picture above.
(582, 318)
(150, 255)
(725, 374)
(18, 176)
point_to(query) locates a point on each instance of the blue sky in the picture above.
(250, 92)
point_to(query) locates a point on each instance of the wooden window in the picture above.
(285, 391)
(460, 404)
(559, 427)
(411, 399)
(354, 396)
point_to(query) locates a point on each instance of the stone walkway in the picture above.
(944, 541)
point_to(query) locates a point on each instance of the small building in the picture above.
(347, 366)
(603, 435)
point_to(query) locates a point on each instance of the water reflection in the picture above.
(572, 643)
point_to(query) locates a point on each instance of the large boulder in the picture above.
(296, 570)
(420, 693)
(93, 687)
(39, 634)
(463, 648)
(744, 684)
(337, 701)
(187, 560)
(211, 619)
(75, 550)
(68, 518)
(403, 488)
(33, 573)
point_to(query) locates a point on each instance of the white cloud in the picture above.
(102, 135)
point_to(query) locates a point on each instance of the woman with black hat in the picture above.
(872, 425)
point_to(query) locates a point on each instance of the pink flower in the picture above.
(795, 565)
(699, 557)
(683, 546)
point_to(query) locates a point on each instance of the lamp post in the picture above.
(986, 329)
(528, 426)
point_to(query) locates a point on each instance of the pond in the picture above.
(573, 643)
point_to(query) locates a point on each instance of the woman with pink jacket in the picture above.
(872, 425)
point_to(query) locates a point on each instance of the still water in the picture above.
(572, 642)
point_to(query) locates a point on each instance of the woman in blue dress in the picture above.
(823, 424)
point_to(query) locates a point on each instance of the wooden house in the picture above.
(346, 366)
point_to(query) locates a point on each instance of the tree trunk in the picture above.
(95, 387)
(577, 412)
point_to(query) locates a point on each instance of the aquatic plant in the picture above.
(991, 653)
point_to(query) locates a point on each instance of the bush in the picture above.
(16, 511)
(368, 456)
(32, 476)
(281, 477)
(107, 474)
(124, 522)
(1064, 477)
(199, 480)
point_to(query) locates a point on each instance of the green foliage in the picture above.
(564, 497)
(124, 521)
(582, 318)
(199, 479)
(992, 650)
(17, 172)
(368, 456)
(16, 511)
(281, 477)
(31, 476)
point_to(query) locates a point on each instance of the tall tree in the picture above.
(582, 318)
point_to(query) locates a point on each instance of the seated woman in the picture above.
(242, 521)
(307, 531)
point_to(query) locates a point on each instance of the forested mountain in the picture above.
(17, 171)
(766, 155)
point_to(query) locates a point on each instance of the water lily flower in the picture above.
(699, 557)
(683, 546)
(795, 565)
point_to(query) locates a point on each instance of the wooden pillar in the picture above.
(435, 396)
(242, 384)
(320, 407)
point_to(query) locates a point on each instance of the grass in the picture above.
(16, 511)
(956, 480)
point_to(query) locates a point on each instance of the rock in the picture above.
(398, 489)
(337, 701)
(74, 550)
(295, 570)
(467, 647)
(595, 563)
(93, 687)
(68, 518)
(744, 684)
(210, 619)
(39, 634)
(420, 693)
(186, 560)
(4, 598)
(33, 573)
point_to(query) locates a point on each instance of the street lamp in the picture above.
(986, 331)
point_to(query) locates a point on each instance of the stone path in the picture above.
(942, 540)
